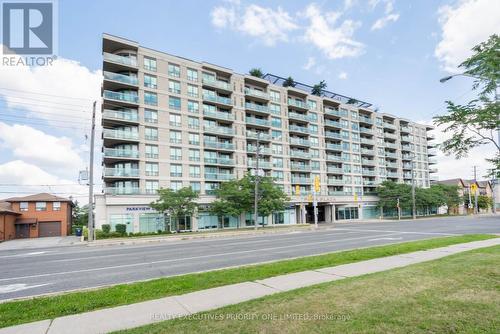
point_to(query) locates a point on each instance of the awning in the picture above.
(26, 221)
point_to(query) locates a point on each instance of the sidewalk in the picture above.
(135, 315)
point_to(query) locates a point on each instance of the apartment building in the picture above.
(172, 122)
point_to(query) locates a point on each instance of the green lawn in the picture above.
(17, 312)
(456, 294)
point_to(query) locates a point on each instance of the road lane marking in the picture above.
(187, 258)
(402, 232)
(23, 254)
(376, 239)
(18, 287)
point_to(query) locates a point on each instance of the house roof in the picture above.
(483, 184)
(6, 208)
(453, 182)
(42, 197)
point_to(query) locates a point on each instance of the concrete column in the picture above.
(360, 211)
(333, 213)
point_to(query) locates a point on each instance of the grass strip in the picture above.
(49, 307)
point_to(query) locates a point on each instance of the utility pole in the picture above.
(91, 178)
(414, 204)
(399, 210)
(256, 199)
(476, 209)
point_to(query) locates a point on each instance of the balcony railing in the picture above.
(302, 117)
(365, 130)
(337, 170)
(332, 157)
(126, 97)
(368, 172)
(217, 83)
(368, 162)
(257, 121)
(335, 182)
(365, 119)
(121, 172)
(256, 107)
(389, 125)
(122, 190)
(329, 122)
(126, 115)
(219, 115)
(261, 136)
(217, 99)
(299, 141)
(301, 180)
(367, 141)
(218, 145)
(219, 177)
(126, 79)
(219, 161)
(262, 150)
(391, 164)
(405, 129)
(256, 93)
(331, 146)
(367, 151)
(300, 167)
(129, 61)
(262, 164)
(339, 193)
(334, 135)
(300, 154)
(120, 134)
(120, 153)
(298, 104)
(331, 111)
(219, 130)
(296, 128)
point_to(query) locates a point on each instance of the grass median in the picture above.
(455, 294)
(23, 311)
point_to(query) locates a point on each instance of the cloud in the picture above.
(464, 25)
(270, 25)
(336, 41)
(342, 76)
(311, 61)
(389, 16)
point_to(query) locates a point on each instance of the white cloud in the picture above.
(336, 41)
(349, 4)
(311, 61)
(389, 16)
(342, 75)
(464, 25)
(270, 25)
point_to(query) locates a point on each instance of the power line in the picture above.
(47, 113)
(48, 107)
(37, 93)
(42, 119)
(42, 124)
(44, 101)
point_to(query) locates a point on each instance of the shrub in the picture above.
(106, 228)
(121, 228)
(85, 233)
(100, 234)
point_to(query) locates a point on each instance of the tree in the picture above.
(289, 82)
(484, 202)
(352, 101)
(80, 215)
(475, 123)
(318, 88)
(389, 192)
(236, 197)
(256, 72)
(450, 195)
(176, 204)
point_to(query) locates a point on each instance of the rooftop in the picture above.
(42, 197)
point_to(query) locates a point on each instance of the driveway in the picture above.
(39, 243)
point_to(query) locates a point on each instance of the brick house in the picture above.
(34, 216)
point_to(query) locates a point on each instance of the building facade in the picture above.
(34, 216)
(172, 122)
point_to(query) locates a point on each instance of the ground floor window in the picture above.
(179, 224)
(343, 213)
(250, 222)
(126, 219)
(151, 223)
(278, 218)
(207, 222)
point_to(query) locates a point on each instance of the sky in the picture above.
(390, 53)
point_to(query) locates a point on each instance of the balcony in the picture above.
(262, 164)
(334, 147)
(120, 153)
(129, 115)
(298, 104)
(219, 177)
(339, 193)
(332, 112)
(407, 166)
(391, 155)
(122, 191)
(128, 61)
(334, 170)
(365, 119)
(333, 135)
(366, 130)
(332, 157)
(217, 84)
(120, 134)
(256, 93)
(407, 139)
(218, 145)
(301, 167)
(367, 141)
(218, 99)
(391, 164)
(257, 121)
(262, 150)
(299, 141)
(297, 116)
(300, 154)
(390, 145)
(123, 97)
(369, 162)
(259, 135)
(125, 79)
(335, 182)
(431, 136)
(219, 161)
(403, 147)
(405, 129)
(368, 172)
(406, 157)
(431, 153)
(370, 183)
(256, 107)
(367, 151)
(121, 172)
(300, 129)
(390, 135)
(389, 126)
(219, 130)
(433, 170)
(432, 161)
(393, 175)
(335, 124)
(301, 180)
(219, 115)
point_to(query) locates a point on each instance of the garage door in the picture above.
(49, 229)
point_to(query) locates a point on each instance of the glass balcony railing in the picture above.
(256, 107)
(219, 130)
(334, 135)
(129, 61)
(121, 172)
(262, 164)
(339, 193)
(120, 134)
(332, 111)
(217, 99)
(122, 190)
(219, 177)
(368, 172)
(367, 141)
(217, 84)
(332, 157)
(261, 136)
(126, 97)
(300, 154)
(262, 150)
(329, 122)
(301, 180)
(390, 135)
(126, 79)
(299, 141)
(295, 128)
(121, 153)
(219, 161)
(393, 175)
(405, 129)
(365, 119)
(257, 121)
(299, 104)
(365, 130)
(256, 93)
(338, 170)
(300, 167)
(218, 145)
(219, 115)
(367, 151)
(335, 182)
(302, 117)
(367, 162)
(126, 115)
(336, 147)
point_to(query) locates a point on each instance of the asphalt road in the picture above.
(31, 272)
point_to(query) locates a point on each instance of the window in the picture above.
(193, 107)
(175, 120)
(195, 186)
(276, 134)
(192, 91)
(174, 103)
(194, 171)
(150, 81)
(152, 187)
(355, 126)
(174, 70)
(150, 64)
(41, 206)
(276, 122)
(312, 104)
(175, 137)
(275, 109)
(354, 114)
(56, 206)
(192, 75)
(314, 141)
(151, 169)
(150, 116)
(126, 219)
(314, 165)
(150, 133)
(194, 155)
(193, 123)
(274, 95)
(152, 151)
(277, 149)
(176, 185)
(174, 87)
(313, 117)
(150, 98)
(23, 206)
(278, 162)
(175, 170)
(278, 175)
(175, 153)
(313, 128)
(314, 153)
(194, 139)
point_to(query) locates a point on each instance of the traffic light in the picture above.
(317, 186)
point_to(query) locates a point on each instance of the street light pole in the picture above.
(413, 202)
(90, 236)
(256, 197)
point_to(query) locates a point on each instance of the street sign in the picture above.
(473, 188)
(297, 190)
(317, 186)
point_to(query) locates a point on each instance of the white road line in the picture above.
(187, 258)
(23, 254)
(402, 232)
(18, 287)
(376, 239)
